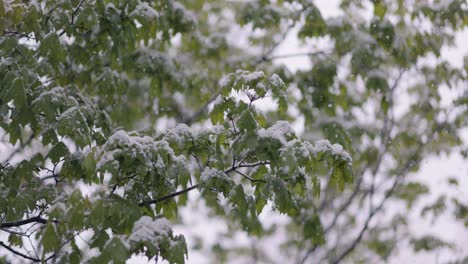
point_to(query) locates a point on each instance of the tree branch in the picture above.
(167, 197)
(406, 168)
(16, 33)
(75, 12)
(292, 55)
(36, 219)
(12, 250)
(248, 177)
(366, 224)
(188, 121)
(384, 134)
(251, 165)
(186, 190)
(20, 148)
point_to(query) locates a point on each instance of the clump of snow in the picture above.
(143, 9)
(209, 173)
(59, 206)
(225, 80)
(145, 148)
(54, 95)
(111, 6)
(69, 113)
(277, 131)
(179, 134)
(214, 130)
(188, 17)
(276, 81)
(249, 77)
(159, 163)
(121, 138)
(147, 229)
(218, 100)
(336, 149)
(301, 148)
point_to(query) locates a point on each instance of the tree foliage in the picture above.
(112, 111)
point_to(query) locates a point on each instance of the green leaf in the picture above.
(313, 230)
(282, 105)
(50, 47)
(24, 170)
(316, 187)
(410, 192)
(89, 164)
(428, 243)
(216, 180)
(50, 239)
(17, 92)
(323, 74)
(314, 25)
(58, 151)
(380, 9)
(87, 18)
(72, 168)
(99, 239)
(377, 82)
(337, 179)
(15, 240)
(237, 197)
(247, 122)
(383, 248)
(276, 190)
(115, 251)
(383, 32)
(336, 133)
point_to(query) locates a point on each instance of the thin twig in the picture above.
(23, 234)
(20, 148)
(384, 135)
(167, 197)
(270, 51)
(75, 12)
(251, 165)
(188, 121)
(248, 177)
(16, 33)
(12, 250)
(33, 247)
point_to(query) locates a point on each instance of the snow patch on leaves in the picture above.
(336, 149)
(277, 131)
(276, 81)
(249, 77)
(144, 148)
(147, 229)
(143, 9)
(209, 173)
